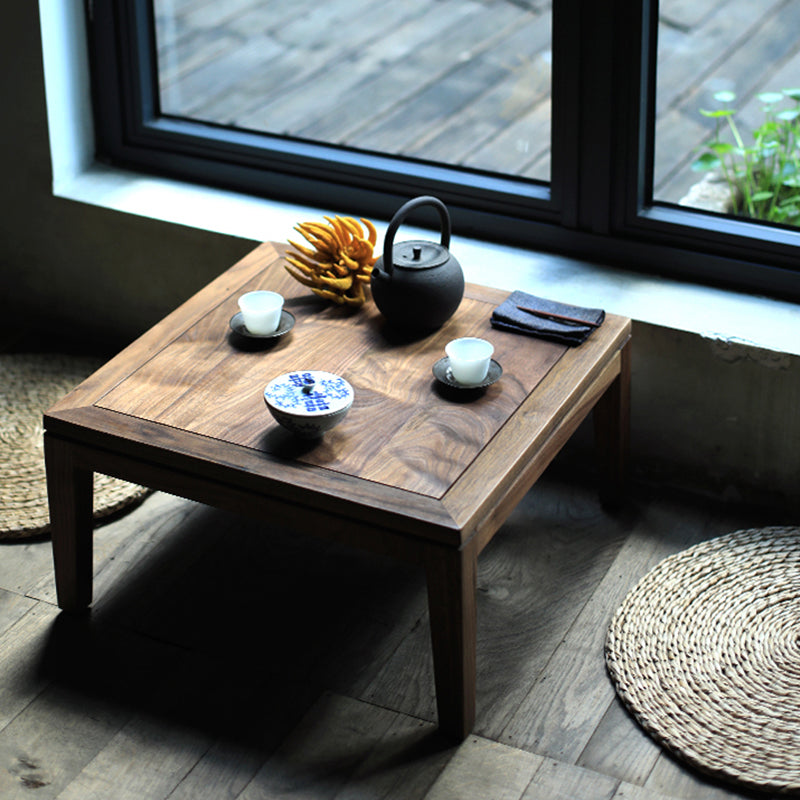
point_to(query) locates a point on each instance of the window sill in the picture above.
(708, 312)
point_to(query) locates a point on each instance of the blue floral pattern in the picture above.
(309, 393)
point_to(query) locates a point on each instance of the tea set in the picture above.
(419, 275)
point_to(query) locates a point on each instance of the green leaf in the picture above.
(789, 115)
(721, 148)
(724, 96)
(770, 98)
(759, 196)
(770, 127)
(705, 162)
(722, 112)
(793, 93)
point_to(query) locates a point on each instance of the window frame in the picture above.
(598, 205)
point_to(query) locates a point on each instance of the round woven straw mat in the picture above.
(705, 652)
(29, 385)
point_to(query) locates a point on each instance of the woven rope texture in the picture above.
(705, 653)
(29, 385)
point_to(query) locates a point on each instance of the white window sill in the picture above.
(713, 313)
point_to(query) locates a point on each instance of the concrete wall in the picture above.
(712, 415)
(716, 416)
(72, 265)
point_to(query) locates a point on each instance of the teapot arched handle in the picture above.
(399, 217)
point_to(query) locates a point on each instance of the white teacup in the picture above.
(261, 311)
(469, 359)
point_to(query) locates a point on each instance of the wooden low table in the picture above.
(415, 471)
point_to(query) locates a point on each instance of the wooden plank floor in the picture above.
(227, 659)
(464, 82)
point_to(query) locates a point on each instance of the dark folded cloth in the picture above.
(509, 317)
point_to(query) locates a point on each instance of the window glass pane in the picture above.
(460, 82)
(723, 68)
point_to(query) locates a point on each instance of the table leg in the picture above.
(69, 494)
(612, 434)
(452, 587)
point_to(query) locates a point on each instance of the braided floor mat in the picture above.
(29, 385)
(705, 653)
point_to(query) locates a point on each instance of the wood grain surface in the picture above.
(187, 398)
(403, 430)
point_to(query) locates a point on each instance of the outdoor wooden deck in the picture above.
(464, 82)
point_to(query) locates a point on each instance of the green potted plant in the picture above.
(762, 177)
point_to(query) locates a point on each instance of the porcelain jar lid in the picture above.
(309, 393)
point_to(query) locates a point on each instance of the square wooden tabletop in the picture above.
(411, 454)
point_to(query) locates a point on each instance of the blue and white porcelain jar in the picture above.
(309, 402)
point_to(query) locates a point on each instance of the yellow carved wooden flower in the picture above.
(339, 262)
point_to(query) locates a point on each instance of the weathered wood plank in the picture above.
(434, 105)
(519, 146)
(485, 770)
(284, 94)
(400, 82)
(403, 764)
(435, 97)
(620, 748)
(22, 647)
(518, 590)
(13, 606)
(23, 564)
(558, 781)
(676, 780)
(249, 711)
(522, 61)
(208, 596)
(629, 791)
(178, 60)
(337, 90)
(218, 76)
(323, 752)
(526, 83)
(144, 759)
(52, 740)
(571, 695)
(707, 46)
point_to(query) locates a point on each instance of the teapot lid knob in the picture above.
(417, 252)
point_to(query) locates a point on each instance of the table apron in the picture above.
(321, 523)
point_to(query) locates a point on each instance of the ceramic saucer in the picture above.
(284, 326)
(441, 371)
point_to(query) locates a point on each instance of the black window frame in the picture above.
(598, 205)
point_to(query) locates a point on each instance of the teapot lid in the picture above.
(418, 254)
(309, 393)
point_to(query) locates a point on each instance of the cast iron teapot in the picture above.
(417, 285)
